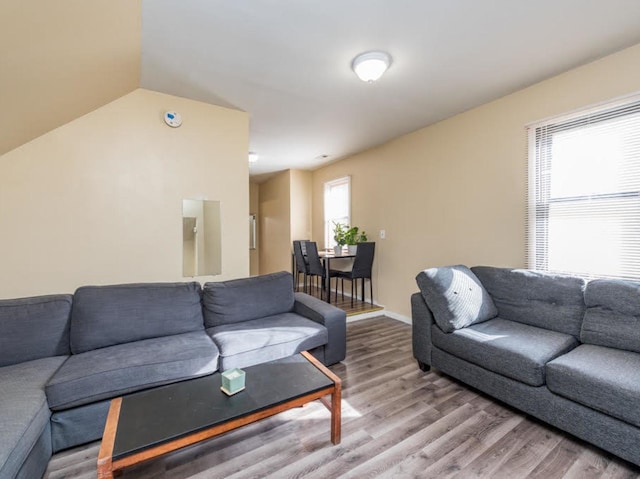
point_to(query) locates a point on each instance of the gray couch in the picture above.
(63, 357)
(561, 349)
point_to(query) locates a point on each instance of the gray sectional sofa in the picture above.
(64, 357)
(561, 349)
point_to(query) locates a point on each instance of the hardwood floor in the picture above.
(344, 303)
(397, 422)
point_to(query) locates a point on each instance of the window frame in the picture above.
(539, 200)
(328, 220)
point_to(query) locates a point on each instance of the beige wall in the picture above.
(301, 184)
(275, 224)
(285, 215)
(62, 59)
(455, 192)
(254, 208)
(99, 200)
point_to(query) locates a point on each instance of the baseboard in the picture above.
(398, 317)
(375, 314)
(369, 315)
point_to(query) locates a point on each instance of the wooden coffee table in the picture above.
(145, 425)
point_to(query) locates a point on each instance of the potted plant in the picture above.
(353, 236)
(339, 236)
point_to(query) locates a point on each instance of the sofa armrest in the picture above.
(332, 318)
(422, 319)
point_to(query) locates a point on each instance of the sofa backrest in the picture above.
(34, 328)
(107, 315)
(227, 302)
(612, 318)
(544, 300)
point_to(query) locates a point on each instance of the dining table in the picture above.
(326, 257)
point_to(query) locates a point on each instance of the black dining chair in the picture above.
(316, 270)
(362, 265)
(301, 265)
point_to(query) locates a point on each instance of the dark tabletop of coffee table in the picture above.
(159, 415)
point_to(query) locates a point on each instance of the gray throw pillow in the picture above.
(455, 296)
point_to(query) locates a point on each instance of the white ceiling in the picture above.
(287, 62)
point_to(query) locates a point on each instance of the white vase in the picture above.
(352, 248)
(337, 250)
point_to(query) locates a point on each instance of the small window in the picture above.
(584, 193)
(337, 206)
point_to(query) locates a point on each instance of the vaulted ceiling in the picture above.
(60, 60)
(287, 62)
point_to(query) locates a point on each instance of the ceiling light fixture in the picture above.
(370, 66)
(253, 157)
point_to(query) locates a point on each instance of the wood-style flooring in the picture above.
(344, 301)
(397, 422)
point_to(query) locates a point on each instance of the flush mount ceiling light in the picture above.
(253, 157)
(370, 66)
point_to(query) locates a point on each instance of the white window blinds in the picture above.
(584, 193)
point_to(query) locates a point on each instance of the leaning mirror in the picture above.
(253, 239)
(201, 252)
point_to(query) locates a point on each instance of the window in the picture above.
(584, 193)
(337, 206)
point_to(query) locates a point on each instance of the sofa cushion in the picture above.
(19, 318)
(24, 413)
(512, 349)
(265, 339)
(455, 296)
(244, 299)
(544, 300)
(613, 314)
(107, 315)
(604, 379)
(109, 372)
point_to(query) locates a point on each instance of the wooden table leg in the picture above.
(336, 397)
(336, 414)
(105, 466)
(328, 272)
(105, 473)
